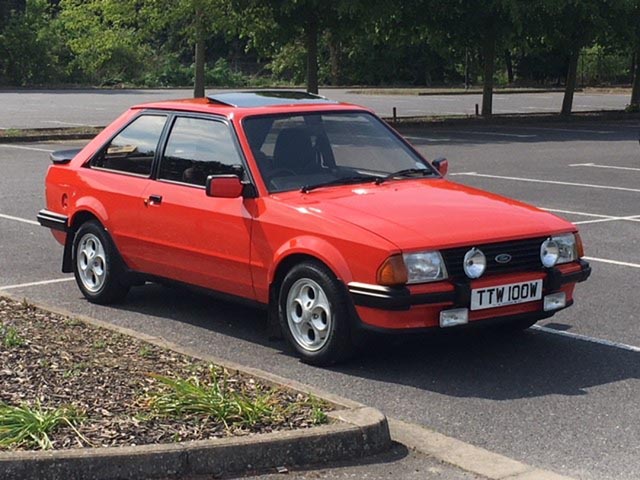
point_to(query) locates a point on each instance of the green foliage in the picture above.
(10, 338)
(31, 51)
(250, 42)
(31, 426)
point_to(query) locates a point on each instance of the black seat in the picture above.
(293, 151)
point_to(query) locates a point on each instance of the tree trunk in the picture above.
(570, 87)
(489, 56)
(335, 52)
(312, 53)
(509, 63)
(635, 91)
(198, 84)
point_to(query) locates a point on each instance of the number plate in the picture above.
(511, 294)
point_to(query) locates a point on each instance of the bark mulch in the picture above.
(55, 361)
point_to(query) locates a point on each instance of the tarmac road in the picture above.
(67, 108)
(563, 398)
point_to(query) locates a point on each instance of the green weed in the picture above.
(32, 426)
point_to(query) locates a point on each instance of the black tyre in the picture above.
(97, 265)
(314, 314)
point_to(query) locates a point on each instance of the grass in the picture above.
(215, 398)
(30, 426)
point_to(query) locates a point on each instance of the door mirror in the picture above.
(442, 165)
(224, 186)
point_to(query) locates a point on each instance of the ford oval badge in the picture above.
(503, 258)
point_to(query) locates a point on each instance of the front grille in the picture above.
(525, 256)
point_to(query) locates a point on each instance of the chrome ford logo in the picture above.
(503, 258)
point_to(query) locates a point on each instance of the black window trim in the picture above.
(147, 112)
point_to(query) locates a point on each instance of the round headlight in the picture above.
(549, 252)
(474, 263)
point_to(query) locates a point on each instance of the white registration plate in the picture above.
(511, 294)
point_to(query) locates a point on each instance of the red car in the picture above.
(316, 209)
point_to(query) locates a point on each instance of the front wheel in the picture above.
(314, 314)
(97, 265)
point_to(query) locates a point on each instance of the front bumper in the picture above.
(401, 298)
(401, 308)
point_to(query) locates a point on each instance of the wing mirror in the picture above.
(441, 164)
(224, 186)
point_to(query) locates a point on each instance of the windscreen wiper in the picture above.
(407, 172)
(340, 181)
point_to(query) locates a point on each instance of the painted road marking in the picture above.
(27, 148)
(600, 218)
(18, 219)
(36, 284)
(548, 182)
(491, 134)
(613, 262)
(611, 167)
(585, 338)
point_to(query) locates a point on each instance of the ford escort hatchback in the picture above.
(316, 209)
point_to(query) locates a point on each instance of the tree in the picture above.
(570, 26)
(194, 20)
(272, 24)
(623, 35)
(487, 25)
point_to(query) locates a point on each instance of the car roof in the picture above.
(245, 103)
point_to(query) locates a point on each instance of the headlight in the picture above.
(558, 249)
(475, 263)
(424, 267)
(419, 267)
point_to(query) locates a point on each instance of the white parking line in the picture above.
(633, 218)
(571, 212)
(585, 338)
(36, 284)
(570, 130)
(611, 167)
(492, 134)
(613, 262)
(20, 147)
(18, 219)
(548, 182)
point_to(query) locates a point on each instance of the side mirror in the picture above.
(441, 164)
(224, 186)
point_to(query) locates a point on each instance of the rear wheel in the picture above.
(314, 315)
(97, 265)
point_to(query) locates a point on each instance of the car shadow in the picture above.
(496, 366)
(482, 364)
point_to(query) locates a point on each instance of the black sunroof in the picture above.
(266, 98)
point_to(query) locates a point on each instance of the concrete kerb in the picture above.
(355, 431)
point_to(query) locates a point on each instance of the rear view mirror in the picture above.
(224, 186)
(441, 164)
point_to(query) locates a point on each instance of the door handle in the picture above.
(153, 200)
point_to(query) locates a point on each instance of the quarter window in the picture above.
(197, 148)
(133, 149)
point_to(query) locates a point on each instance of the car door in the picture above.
(189, 236)
(117, 177)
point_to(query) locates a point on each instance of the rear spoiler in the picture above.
(62, 157)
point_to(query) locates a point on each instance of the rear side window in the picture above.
(133, 149)
(197, 148)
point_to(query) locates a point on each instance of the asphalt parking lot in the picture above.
(563, 396)
(74, 108)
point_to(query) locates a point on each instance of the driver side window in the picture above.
(197, 148)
